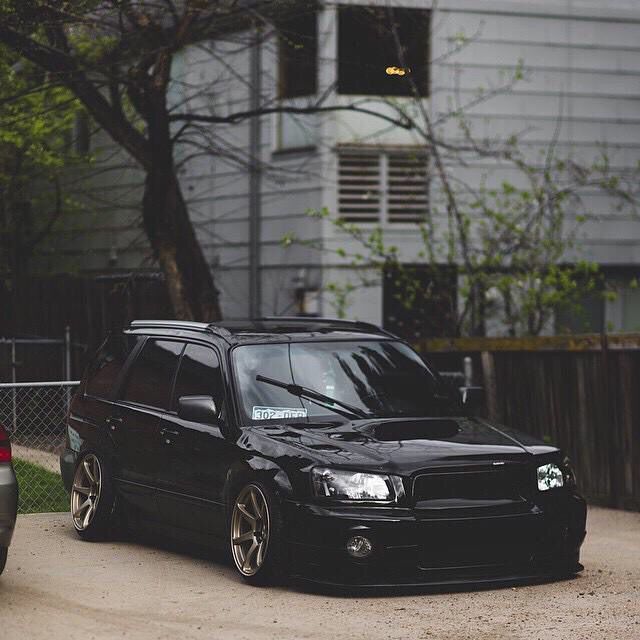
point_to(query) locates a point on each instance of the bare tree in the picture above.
(512, 242)
(116, 56)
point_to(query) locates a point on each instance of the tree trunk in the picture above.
(190, 285)
(189, 280)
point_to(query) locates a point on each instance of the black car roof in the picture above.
(274, 329)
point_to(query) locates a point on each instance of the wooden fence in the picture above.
(90, 305)
(579, 392)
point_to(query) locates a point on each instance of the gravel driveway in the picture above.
(56, 586)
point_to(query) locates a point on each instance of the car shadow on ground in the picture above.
(390, 591)
(159, 542)
(220, 561)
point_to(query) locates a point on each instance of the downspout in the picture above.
(255, 204)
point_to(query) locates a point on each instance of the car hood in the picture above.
(400, 446)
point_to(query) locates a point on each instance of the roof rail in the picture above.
(219, 331)
(169, 324)
(228, 335)
(335, 322)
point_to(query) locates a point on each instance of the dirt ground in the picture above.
(56, 586)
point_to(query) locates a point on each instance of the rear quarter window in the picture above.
(108, 362)
(150, 379)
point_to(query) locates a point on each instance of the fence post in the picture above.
(67, 352)
(614, 489)
(67, 362)
(14, 365)
(468, 371)
(489, 375)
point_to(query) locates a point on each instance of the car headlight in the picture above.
(355, 485)
(550, 476)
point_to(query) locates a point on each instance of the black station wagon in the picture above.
(318, 449)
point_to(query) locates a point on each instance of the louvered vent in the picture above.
(359, 197)
(407, 187)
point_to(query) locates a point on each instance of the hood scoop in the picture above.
(278, 431)
(349, 436)
(436, 429)
(328, 448)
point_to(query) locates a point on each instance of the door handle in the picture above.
(168, 435)
(113, 422)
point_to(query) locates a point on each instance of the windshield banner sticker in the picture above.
(276, 413)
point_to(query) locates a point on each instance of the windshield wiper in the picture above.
(315, 396)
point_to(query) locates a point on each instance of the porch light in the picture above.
(397, 71)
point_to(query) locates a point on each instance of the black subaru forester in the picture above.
(318, 449)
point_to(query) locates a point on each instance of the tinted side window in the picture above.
(151, 376)
(199, 374)
(108, 362)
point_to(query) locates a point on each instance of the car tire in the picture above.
(92, 500)
(3, 558)
(266, 563)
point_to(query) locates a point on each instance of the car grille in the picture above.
(508, 482)
(498, 541)
(477, 516)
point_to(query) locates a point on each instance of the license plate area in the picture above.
(477, 541)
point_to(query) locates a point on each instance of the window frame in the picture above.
(125, 373)
(172, 410)
(114, 393)
(281, 55)
(423, 86)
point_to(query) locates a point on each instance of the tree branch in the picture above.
(240, 116)
(66, 68)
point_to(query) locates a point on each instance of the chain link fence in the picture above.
(34, 415)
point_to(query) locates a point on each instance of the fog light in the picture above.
(359, 547)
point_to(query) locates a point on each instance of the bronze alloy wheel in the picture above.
(250, 528)
(85, 492)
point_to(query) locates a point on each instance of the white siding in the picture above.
(582, 78)
(582, 62)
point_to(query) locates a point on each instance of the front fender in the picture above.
(258, 468)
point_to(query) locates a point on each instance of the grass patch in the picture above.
(40, 490)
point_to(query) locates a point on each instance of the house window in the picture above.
(433, 292)
(586, 316)
(297, 131)
(298, 52)
(383, 187)
(375, 43)
(596, 312)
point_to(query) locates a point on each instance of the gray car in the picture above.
(8, 497)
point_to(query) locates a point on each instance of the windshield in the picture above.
(377, 379)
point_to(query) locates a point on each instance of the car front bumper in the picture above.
(414, 547)
(8, 503)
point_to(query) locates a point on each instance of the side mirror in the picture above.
(471, 399)
(198, 409)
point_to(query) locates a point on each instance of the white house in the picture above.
(582, 88)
